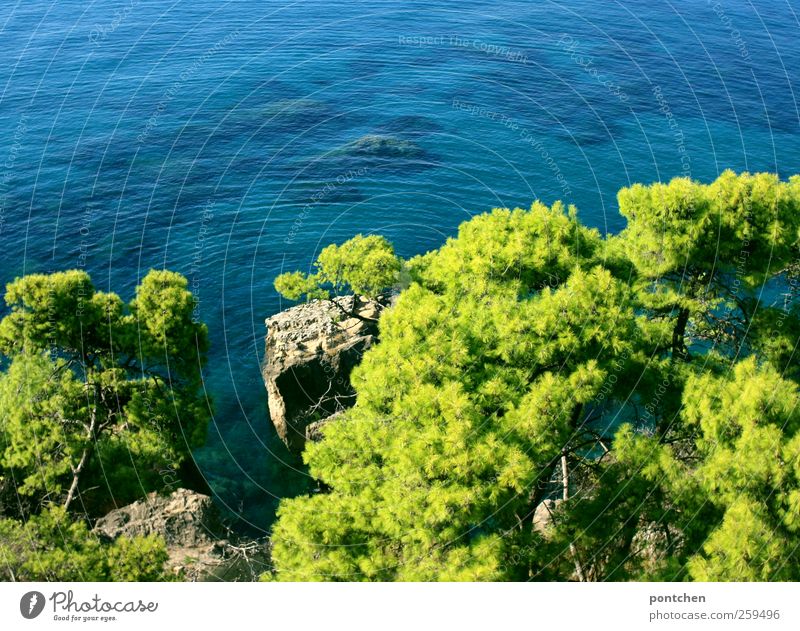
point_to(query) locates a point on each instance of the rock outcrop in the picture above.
(199, 545)
(543, 516)
(310, 351)
(314, 431)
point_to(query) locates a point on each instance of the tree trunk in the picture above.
(565, 495)
(541, 484)
(678, 334)
(87, 452)
(353, 314)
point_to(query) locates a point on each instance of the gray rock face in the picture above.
(310, 351)
(314, 431)
(196, 539)
(184, 518)
(543, 516)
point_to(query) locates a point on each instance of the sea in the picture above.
(231, 140)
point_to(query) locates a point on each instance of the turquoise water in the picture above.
(203, 136)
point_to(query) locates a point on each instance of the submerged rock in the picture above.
(200, 547)
(382, 147)
(370, 154)
(310, 351)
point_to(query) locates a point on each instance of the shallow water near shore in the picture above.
(216, 139)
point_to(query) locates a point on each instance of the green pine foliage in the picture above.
(366, 266)
(100, 403)
(643, 387)
(646, 381)
(53, 547)
(98, 398)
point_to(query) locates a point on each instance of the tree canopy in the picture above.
(366, 266)
(99, 399)
(100, 403)
(52, 547)
(641, 387)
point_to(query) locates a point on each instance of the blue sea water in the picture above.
(204, 136)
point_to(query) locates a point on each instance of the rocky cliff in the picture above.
(200, 547)
(310, 351)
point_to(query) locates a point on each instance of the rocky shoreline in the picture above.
(311, 350)
(200, 545)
